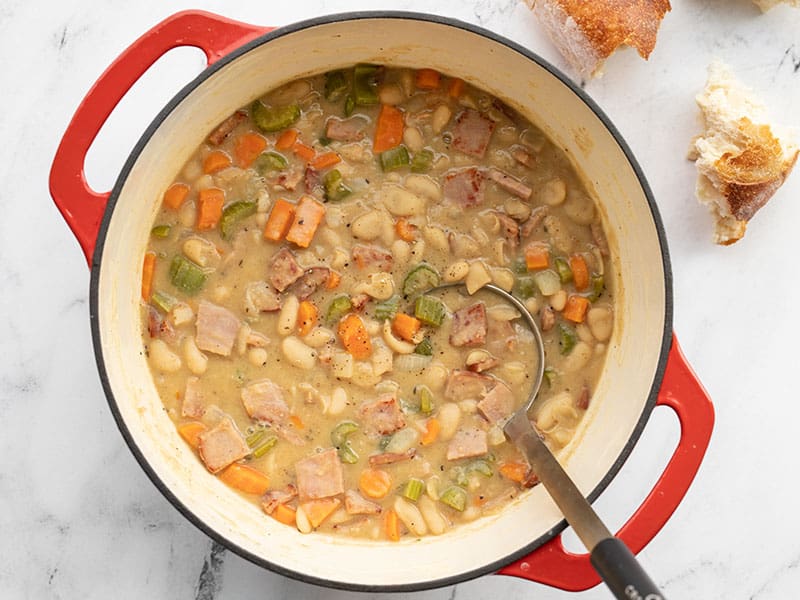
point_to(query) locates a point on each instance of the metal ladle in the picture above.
(610, 557)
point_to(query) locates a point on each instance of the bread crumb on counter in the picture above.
(741, 160)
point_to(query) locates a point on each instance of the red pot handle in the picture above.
(80, 205)
(680, 390)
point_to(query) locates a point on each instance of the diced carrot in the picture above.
(209, 208)
(279, 221)
(406, 326)
(580, 272)
(307, 316)
(375, 483)
(319, 510)
(247, 148)
(307, 153)
(286, 139)
(175, 195)
(307, 217)
(325, 160)
(334, 279)
(515, 471)
(388, 129)
(148, 270)
(432, 429)
(537, 256)
(216, 161)
(456, 88)
(297, 422)
(575, 309)
(245, 479)
(391, 525)
(190, 432)
(354, 336)
(405, 230)
(427, 79)
(285, 514)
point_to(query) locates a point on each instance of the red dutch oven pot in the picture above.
(645, 367)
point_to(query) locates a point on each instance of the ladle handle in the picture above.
(622, 573)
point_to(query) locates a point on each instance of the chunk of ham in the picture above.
(600, 238)
(372, 257)
(225, 128)
(510, 184)
(274, 498)
(260, 297)
(193, 405)
(467, 443)
(382, 416)
(472, 133)
(469, 326)
(309, 282)
(319, 476)
(312, 180)
(498, 404)
(537, 216)
(288, 180)
(222, 445)
(159, 327)
(501, 337)
(356, 504)
(465, 385)
(389, 458)
(509, 228)
(284, 269)
(217, 328)
(464, 187)
(345, 130)
(523, 157)
(264, 401)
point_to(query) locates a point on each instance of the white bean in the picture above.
(578, 358)
(287, 319)
(203, 183)
(298, 354)
(424, 186)
(449, 418)
(553, 193)
(162, 358)
(257, 356)
(502, 312)
(413, 139)
(433, 518)
(342, 365)
(456, 271)
(401, 251)
(532, 304)
(579, 207)
(192, 170)
(318, 337)
(340, 258)
(517, 209)
(435, 376)
(495, 436)
(196, 361)
(338, 401)
(364, 376)
(558, 233)
(477, 276)
(381, 359)
(301, 520)
(201, 252)
(558, 300)
(468, 407)
(441, 117)
(584, 333)
(436, 238)
(432, 487)
(401, 202)
(367, 226)
(391, 93)
(410, 516)
(601, 322)
(187, 215)
(399, 346)
(514, 371)
(181, 314)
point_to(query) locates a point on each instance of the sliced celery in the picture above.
(339, 307)
(186, 275)
(365, 85)
(395, 158)
(160, 231)
(232, 214)
(454, 497)
(429, 310)
(480, 466)
(413, 489)
(598, 286)
(335, 189)
(567, 338)
(255, 437)
(270, 161)
(273, 118)
(422, 161)
(550, 376)
(341, 431)
(424, 348)
(425, 400)
(349, 105)
(335, 85)
(265, 447)
(420, 278)
(387, 309)
(525, 287)
(163, 302)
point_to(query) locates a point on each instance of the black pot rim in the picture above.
(308, 577)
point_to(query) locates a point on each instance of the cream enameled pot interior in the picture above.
(619, 402)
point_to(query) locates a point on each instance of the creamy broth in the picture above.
(285, 313)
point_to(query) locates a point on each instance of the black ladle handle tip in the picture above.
(622, 573)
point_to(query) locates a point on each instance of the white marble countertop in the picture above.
(80, 519)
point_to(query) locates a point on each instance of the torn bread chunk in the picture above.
(766, 5)
(587, 33)
(740, 160)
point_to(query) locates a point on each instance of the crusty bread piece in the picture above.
(740, 161)
(765, 5)
(587, 33)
